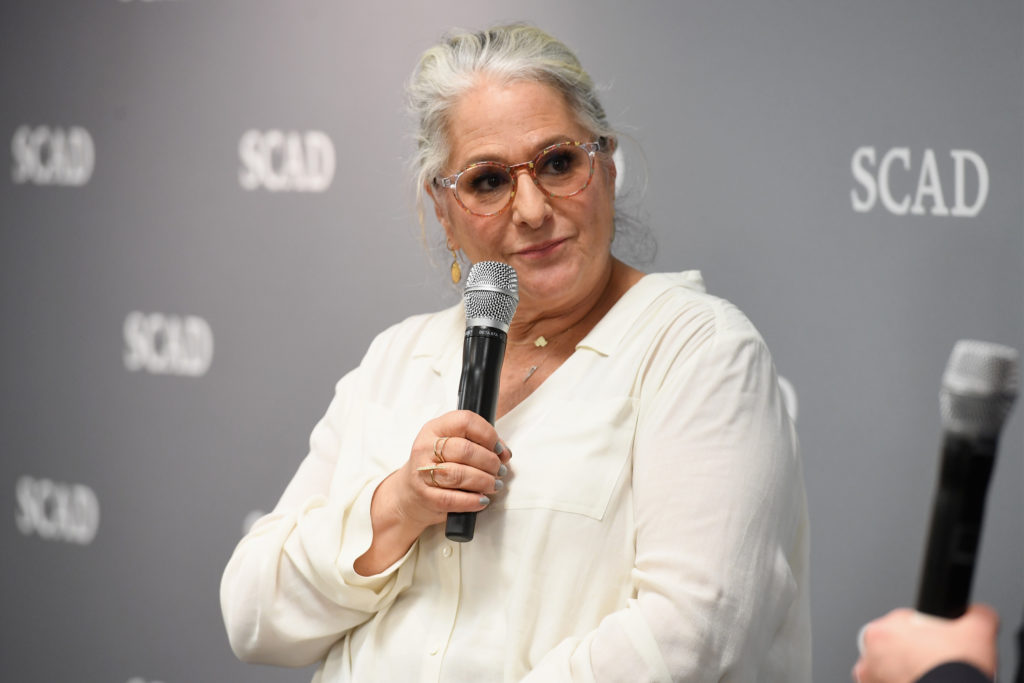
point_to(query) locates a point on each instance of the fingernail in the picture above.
(484, 500)
(499, 448)
(498, 484)
(502, 470)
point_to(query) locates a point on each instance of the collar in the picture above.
(618, 322)
(440, 338)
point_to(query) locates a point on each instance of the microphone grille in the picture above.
(491, 295)
(978, 388)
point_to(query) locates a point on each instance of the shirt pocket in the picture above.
(572, 458)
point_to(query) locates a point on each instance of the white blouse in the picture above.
(653, 526)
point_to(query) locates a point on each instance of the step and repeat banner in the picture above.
(207, 214)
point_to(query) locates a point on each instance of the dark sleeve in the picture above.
(955, 672)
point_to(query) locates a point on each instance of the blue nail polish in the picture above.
(484, 500)
(498, 484)
(502, 470)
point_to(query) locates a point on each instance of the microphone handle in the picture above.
(955, 531)
(483, 352)
(1020, 654)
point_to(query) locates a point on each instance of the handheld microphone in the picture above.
(491, 297)
(978, 390)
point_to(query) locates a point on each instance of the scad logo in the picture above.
(167, 344)
(57, 512)
(52, 156)
(280, 161)
(894, 179)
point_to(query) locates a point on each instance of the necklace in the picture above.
(533, 369)
(540, 342)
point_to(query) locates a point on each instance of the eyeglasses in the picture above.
(487, 188)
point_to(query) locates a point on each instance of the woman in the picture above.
(651, 524)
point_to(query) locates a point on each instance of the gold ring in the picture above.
(439, 443)
(431, 469)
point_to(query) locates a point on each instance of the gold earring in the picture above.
(456, 269)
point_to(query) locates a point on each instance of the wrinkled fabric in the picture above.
(653, 526)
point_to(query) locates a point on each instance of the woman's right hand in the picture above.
(455, 464)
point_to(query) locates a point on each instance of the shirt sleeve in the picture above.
(289, 591)
(955, 672)
(721, 527)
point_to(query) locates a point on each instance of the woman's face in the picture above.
(560, 248)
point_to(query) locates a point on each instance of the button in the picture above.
(434, 652)
(447, 550)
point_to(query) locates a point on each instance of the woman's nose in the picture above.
(530, 206)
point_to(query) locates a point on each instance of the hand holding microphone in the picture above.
(457, 459)
(978, 390)
(491, 297)
(945, 638)
(904, 645)
(455, 464)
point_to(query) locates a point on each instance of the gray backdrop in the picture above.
(207, 217)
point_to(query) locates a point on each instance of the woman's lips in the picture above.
(540, 250)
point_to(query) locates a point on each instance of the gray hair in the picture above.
(516, 52)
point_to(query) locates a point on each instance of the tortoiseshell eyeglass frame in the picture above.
(451, 182)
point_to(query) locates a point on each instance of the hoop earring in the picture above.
(456, 269)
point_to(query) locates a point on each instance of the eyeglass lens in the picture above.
(561, 171)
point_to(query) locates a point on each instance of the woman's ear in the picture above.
(609, 146)
(441, 211)
(613, 173)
